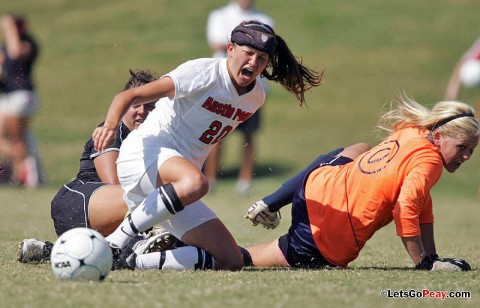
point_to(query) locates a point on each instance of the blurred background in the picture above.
(370, 51)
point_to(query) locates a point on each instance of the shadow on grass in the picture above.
(262, 170)
(378, 268)
(363, 268)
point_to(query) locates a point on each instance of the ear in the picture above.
(230, 47)
(436, 138)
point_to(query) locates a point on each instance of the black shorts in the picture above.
(251, 125)
(69, 208)
(298, 259)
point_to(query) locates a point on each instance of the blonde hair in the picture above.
(450, 118)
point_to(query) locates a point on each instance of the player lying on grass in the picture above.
(199, 103)
(168, 253)
(338, 204)
(94, 198)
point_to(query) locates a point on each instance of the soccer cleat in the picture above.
(158, 242)
(119, 260)
(151, 232)
(259, 213)
(34, 251)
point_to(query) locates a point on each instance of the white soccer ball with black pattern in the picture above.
(81, 254)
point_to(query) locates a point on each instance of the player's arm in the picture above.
(106, 167)
(267, 210)
(104, 136)
(418, 247)
(413, 211)
(16, 49)
(423, 252)
(428, 239)
(414, 247)
(453, 86)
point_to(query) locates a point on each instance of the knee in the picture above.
(199, 184)
(355, 149)
(192, 187)
(360, 147)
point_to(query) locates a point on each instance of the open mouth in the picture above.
(247, 72)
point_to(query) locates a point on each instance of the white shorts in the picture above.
(137, 166)
(138, 180)
(20, 103)
(190, 217)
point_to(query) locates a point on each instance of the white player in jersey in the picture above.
(220, 24)
(205, 108)
(159, 166)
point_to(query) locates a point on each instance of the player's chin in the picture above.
(138, 123)
(245, 81)
(452, 167)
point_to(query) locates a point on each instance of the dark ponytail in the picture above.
(288, 71)
(284, 68)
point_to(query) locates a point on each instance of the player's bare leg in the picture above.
(266, 255)
(107, 209)
(244, 183)
(215, 238)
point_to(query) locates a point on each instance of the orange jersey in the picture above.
(348, 204)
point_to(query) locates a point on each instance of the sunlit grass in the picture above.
(369, 51)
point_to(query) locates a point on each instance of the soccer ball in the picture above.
(81, 254)
(470, 73)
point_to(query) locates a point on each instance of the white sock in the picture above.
(183, 258)
(151, 211)
(122, 235)
(148, 261)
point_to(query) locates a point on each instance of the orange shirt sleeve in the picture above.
(426, 216)
(414, 204)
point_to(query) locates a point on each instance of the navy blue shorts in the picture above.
(69, 208)
(298, 245)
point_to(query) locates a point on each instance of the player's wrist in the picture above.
(110, 124)
(427, 262)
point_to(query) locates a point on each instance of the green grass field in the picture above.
(370, 51)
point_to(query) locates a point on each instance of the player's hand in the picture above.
(451, 264)
(434, 263)
(103, 137)
(259, 213)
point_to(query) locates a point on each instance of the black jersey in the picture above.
(87, 170)
(18, 73)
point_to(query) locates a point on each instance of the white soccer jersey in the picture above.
(205, 109)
